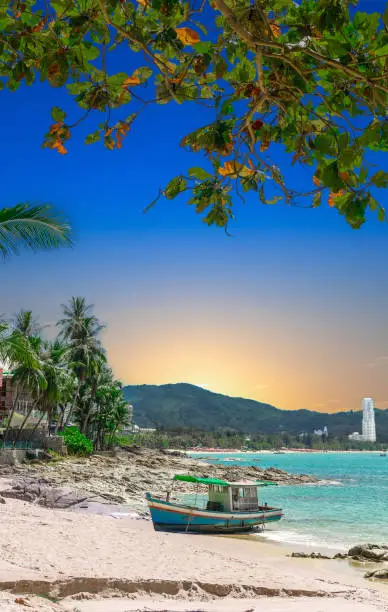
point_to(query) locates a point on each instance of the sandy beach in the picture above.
(66, 546)
(90, 563)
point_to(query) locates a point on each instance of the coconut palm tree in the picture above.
(110, 410)
(77, 315)
(30, 379)
(81, 328)
(36, 227)
(58, 374)
(26, 323)
(19, 353)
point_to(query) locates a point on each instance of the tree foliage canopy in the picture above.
(305, 77)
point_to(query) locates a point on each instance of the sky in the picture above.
(292, 309)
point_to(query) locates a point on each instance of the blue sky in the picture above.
(292, 309)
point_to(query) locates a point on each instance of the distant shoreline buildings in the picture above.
(368, 423)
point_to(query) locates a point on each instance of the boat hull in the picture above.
(168, 516)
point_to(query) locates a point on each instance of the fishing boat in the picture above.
(229, 507)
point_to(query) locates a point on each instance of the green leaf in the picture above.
(203, 47)
(381, 214)
(59, 6)
(385, 17)
(382, 51)
(220, 68)
(119, 16)
(58, 114)
(92, 138)
(4, 22)
(199, 173)
(373, 204)
(244, 72)
(91, 52)
(380, 179)
(117, 79)
(226, 108)
(317, 199)
(326, 144)
(143, 73)
(329, 177)
(175, 187)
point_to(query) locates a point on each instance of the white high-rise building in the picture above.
(368, 420)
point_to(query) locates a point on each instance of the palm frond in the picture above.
(37, 227)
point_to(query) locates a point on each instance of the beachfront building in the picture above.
(355, 436)
(368, 423)
(9, 396)
(368, 420)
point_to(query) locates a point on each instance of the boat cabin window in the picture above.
(244, 499)
(218, 498)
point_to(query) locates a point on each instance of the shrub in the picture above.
(77, 443)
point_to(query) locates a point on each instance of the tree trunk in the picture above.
(36, 427)
(112, 436)
(24, 422)
(85, 421)
(74, 403)
(59, 424)
(10, 418)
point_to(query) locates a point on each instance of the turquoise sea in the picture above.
(351, 508)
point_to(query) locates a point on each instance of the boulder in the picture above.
(369, 552)
(380, 574)
(313, 555)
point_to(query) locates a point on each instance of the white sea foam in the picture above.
(325, 483)
(302, 539)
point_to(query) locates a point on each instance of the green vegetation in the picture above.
(37, 228)
(189, 438)
(76, 442)
(171, 407)
(66, 380)
(306, 78)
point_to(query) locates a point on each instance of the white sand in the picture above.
(73, 552)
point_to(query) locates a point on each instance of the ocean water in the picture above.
(352, 507)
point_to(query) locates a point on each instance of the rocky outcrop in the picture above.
(124, 477)
(313, 555)
(378, 574)
(369, 552)
(365, 553)
(41, 492)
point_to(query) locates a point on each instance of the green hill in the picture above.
(183, 405)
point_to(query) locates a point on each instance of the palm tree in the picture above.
(37, 227)
(81, 329)
(77, 315)
(57, 373)
(26, 323)
(30, 379)
(18, 352)
(121, 416)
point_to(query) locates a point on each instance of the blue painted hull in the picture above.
(176, 517)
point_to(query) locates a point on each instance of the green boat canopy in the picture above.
(222, 483)
(207, 481)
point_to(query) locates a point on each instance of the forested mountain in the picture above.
(183, 405)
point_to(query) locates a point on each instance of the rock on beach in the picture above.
(123, 477)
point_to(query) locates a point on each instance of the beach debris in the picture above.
(23, 602)
(2, 500)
